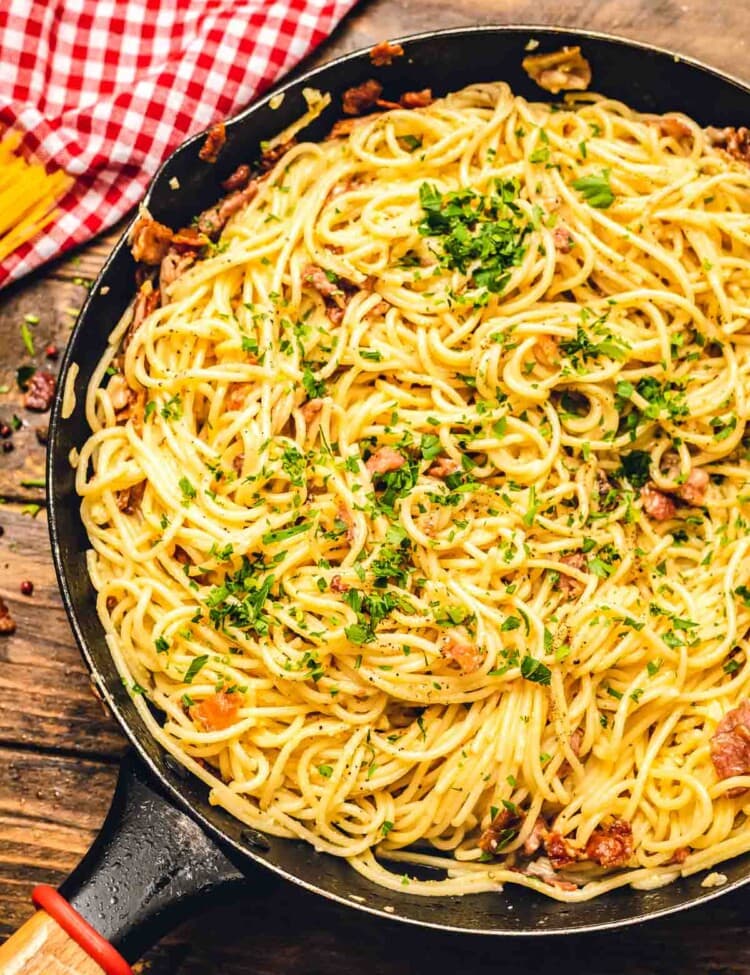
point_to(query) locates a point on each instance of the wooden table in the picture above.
(58, 751)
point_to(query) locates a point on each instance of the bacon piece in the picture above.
(730, 745)
(334, 313)
(680, 854)
(189, 239)
(611, 846)
(546, 350)
(385, 459)
(218, 711)
(338, 585)
(149, 240)
(237, 180)
(7, 623)
(361, 98)
(238, 463)
(384, 52)
(674, 127)
(127, 403)
(173, 265)
(111, 603)
(311, 409)
(317, 277)
(734, 141)
(535, 838)
(147, 301)
(333, 293)
(129, 499)
(237, 394)
(491, 837)
(216, 137)
(560, 850)
(212, 221)
(570, 587)
(416, 99)
(269, 157)
(656, 504)
(459, 648)
(563, 239)
(693, 491)
(444, 467)
(564, 70)
(40, 392)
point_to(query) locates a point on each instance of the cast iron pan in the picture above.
(163, 845)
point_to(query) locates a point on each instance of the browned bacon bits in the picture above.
(384, 52)
(569, 586)
(730, 745)
(416, 99)
(736, 142)
(362, 98)
(458, 647)
(560, 850)
(216, 137)
(498, 832)
(385, 459)
(149, 240)
(657, 504)
(611, 846)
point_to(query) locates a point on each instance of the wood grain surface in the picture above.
(59, 751)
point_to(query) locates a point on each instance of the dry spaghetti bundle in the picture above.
(28, 195)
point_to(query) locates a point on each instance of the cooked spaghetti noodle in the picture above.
(417, 509)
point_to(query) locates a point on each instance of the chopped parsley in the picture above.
(595, 190)
(535, 671)
(482, 236)
(195, 667)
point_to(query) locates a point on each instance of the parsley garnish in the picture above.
(240, 599)
(482, 236)
(595, 190)
(635, 467)
(535, 671)
(283, 533)
(315, 388)
(195, 667)
(188, 491)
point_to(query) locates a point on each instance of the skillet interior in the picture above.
(647, 79)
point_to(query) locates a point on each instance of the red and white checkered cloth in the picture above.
(105, 89)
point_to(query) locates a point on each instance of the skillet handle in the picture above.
(148, 868)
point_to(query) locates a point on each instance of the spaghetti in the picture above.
(417, 508)
(28, 195)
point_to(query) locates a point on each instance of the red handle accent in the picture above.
(97, 947)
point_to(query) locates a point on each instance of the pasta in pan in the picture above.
(417, 504)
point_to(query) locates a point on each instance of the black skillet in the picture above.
(163, 846)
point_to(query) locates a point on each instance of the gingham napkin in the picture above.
(105, 89)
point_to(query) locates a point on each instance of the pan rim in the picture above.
(214, 830)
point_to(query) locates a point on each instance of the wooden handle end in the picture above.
(41, 947)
